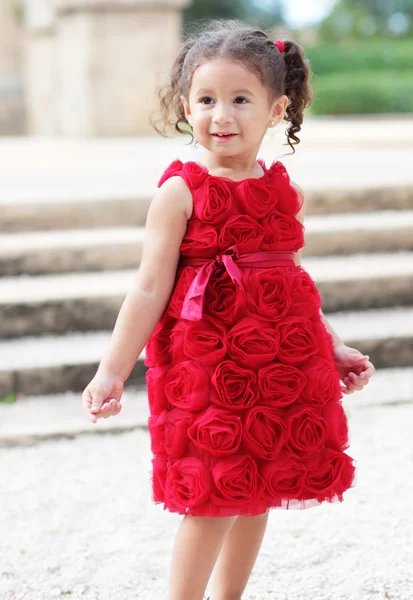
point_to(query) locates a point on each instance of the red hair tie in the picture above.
(280, 45)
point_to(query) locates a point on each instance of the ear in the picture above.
(278, 109)
(186, 109)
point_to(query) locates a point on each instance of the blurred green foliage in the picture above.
(362, 77)
(363, 92)
(357, 56)
(368, 18)
(252, 12)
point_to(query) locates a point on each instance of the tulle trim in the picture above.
(212, 510)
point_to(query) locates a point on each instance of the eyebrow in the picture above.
(241, 91)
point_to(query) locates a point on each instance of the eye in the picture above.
(205, 98)
(241, 98)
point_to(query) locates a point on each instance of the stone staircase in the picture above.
(66, 266)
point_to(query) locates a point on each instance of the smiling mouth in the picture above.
(224, 135)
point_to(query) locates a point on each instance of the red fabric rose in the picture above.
(264, 432)
(237, 481)
(283, 232)
(216, 431)
(284, 477)
(188, 483)
(155, 383)
(158, 477)
(157, 349)
(280, 385)
(235, 387)
(338, 433)
(212, 201)
(200, 240)
(194, 173)
(203, 341)
(323, 381)
(156, 427)
(187, 386)
(170, 171)
(305, 298)
(254, 197)
(252, 343)
(176, 427)
(269, 293)
(307, 430)
(244, 231)
(297, 340)
(224, 299)
(287, 200)
(325, 339)
(329, 474)
(185, 277)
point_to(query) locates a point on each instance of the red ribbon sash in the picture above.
(231, 259)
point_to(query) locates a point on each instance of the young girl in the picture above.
(244, 371)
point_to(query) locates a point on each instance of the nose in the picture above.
(222, 114)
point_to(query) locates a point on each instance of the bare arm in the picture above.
(148, 296)
(297, 259)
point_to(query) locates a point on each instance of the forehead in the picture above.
(225, 76)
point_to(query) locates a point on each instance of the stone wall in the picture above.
(92, 66)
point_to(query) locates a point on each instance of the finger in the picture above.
(97, 402)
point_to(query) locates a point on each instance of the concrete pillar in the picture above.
(11, 80)
(111, 55)
(40, 67)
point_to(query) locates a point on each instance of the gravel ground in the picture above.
(77, 519)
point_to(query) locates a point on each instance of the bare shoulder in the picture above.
(175, 195)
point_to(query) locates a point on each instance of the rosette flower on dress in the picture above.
(216, 431)
(305, 298)
(284, 231)
(177, 423)
(323, 385)
(307, 430)
(194, 174)
(213, 201)
(243, 231)
(159, 469)
(329, 474)
(252, 344)
(187, 386)
(255, 197)
(235, 387)
(155, 382)
(203, 341)
(224, 299)
(185, 278)
(264, 432)
(338, 433)
(188, 484)
(237, 482)
(269, 293)
(286, 196)
(297, 340)
(174, 168)
(200, 240)
(280, 385)
(284, 477)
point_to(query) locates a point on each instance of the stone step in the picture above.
(36, 418)
(74, 250)
(54, 304)
(53, 364)
(103, 210)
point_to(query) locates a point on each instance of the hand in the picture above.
(355, 368)
(101, 398)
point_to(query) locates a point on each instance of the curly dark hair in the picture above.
(282, 73)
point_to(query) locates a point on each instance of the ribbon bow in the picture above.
(194, 299)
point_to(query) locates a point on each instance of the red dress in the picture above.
(244, 394)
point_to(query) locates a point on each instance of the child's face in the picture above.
(227, 98)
